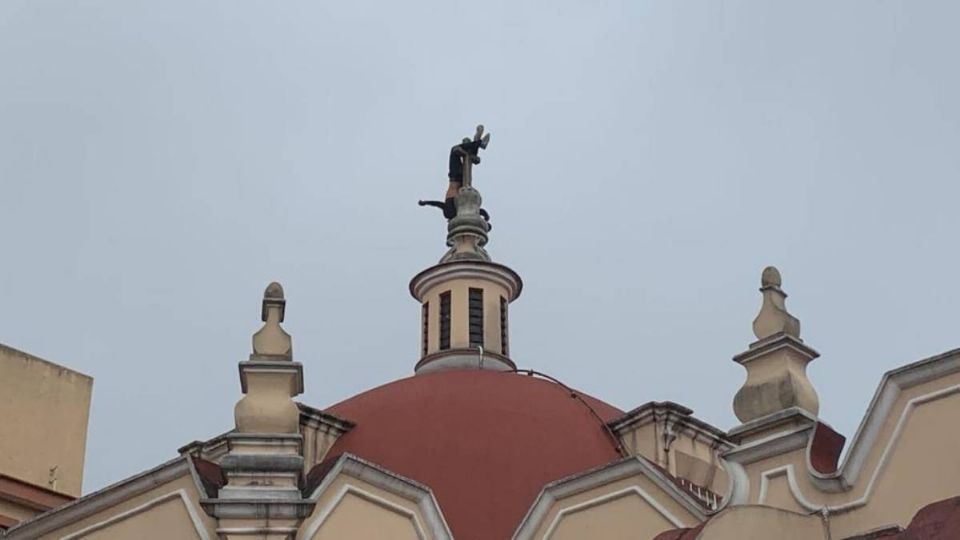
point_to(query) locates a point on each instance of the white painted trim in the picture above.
(103, 499)
(738, 487)
(786, 470)
(379, 501)
(774, 445)
(353, 467)
(592, 479)
(180, 494)
(609, 497)
(881, 464)
(492, 272)
(891, 386)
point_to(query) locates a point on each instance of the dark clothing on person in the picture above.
(449, 208)
(459, 153)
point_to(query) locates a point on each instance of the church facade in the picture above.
(474, 447)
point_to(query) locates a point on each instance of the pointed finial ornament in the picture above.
(272, 340)
(270, 378)
(773, 317)
(264, 462)
(776, 363)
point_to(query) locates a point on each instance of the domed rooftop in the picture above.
(485, 442)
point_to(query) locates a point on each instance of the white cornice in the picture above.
(354, 467)
(677, 415)
(625, 468)
(489, 271)
(103, 499)
(881, 406)
(177, 495)
(863, 445)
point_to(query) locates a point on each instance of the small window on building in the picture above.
(426, 326)
(445, 320)
(476, 317)
(503, 327)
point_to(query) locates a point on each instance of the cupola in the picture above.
(465, 298)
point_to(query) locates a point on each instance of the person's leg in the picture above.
(456, 165)
(486, 217)
(450, 208)
(435, 204)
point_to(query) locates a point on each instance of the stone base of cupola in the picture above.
(464, 359)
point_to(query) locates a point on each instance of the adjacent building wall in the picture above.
(44, 408)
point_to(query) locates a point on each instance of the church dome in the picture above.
(486, 442)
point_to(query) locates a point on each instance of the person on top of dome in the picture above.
(459, 155)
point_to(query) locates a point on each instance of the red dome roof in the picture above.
(485, 442)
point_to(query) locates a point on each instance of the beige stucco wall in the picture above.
(360, 519)
(459, 313)
(762, 523)
(632, 507)
(920, 466)
(317, 440)
(352, 508)
(643, 440)
(689, 456)
(158, 514)
(44, 409)
(165, 520)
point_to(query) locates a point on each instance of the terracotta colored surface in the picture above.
(36, 497)
(484, 442)
(211, 476)
(826, 448)
(937, 521)
(6, 522)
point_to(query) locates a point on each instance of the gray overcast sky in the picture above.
(161, 162)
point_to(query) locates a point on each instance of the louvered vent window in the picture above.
(503, 327)
(426, 326)
(476, 317)
(445, 320)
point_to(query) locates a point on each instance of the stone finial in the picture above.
(773, 317)
(467, 231)
(776, 363)
(272, 340)
(270, 379)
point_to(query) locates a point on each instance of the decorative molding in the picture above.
(324, 421)
(774, 445)
(103, 499)
(573, 485)
(678, 415)
(365, 471)
(489, 271)
(462, 358)
(786, 470)
(180, 494)
(774, 343)
(370, 497)
(279, 367)
(881, 406)
(738, 486)
(674, 520)
(795, 490)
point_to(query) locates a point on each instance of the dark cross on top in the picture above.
(465, 155)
